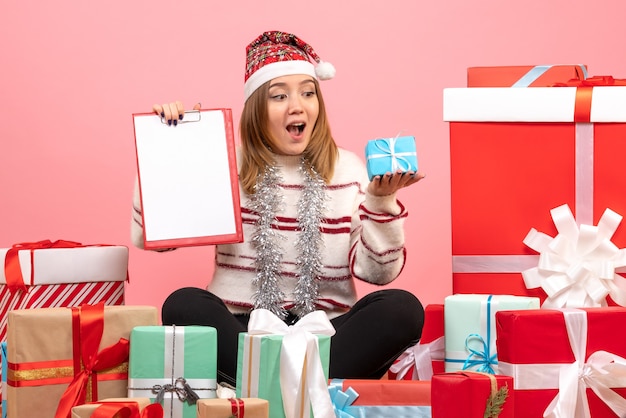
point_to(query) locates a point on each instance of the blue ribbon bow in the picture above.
(483, 359)
(342, 400)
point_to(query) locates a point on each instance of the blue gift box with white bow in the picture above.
(385, 155)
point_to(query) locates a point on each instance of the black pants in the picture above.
(368, 338)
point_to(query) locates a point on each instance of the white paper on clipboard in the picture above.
(188, 180)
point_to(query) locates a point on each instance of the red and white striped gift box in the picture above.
(61, 274)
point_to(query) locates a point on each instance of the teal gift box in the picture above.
(470, 329)
(173, 365)
(385, 155)
(258, 368)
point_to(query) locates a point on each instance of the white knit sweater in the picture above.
(363, 239)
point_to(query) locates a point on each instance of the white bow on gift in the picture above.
(302, 382)
(601, 372)
(421, 355)
(577, 267)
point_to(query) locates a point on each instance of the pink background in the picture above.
(74, 72)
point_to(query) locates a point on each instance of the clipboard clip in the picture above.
(197, 116)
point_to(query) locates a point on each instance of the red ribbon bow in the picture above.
(127, 410)
(584, 91)
(12, 268)
(87, 330)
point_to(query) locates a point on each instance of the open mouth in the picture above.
(296, 128)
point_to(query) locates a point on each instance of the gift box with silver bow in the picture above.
(173, 365)
(390, 155)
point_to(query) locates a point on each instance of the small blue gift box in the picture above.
(388, 155)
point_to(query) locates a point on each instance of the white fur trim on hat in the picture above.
(277, 69)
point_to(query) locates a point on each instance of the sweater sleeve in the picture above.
(136, 222)
(377, 253)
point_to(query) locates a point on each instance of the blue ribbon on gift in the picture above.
(398, 160)
(536, 72)
(480, 359)
(342, 405)
(483, 359)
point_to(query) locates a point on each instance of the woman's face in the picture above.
(292, 108)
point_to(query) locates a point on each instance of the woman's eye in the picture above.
(309, 93)
(281, 96)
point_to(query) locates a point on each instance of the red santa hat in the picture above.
(275, 54)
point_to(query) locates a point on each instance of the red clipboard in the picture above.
(188, 180)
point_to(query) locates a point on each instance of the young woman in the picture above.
(313, 223)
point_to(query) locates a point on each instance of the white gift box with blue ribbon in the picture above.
(470, 329)
(385, 155)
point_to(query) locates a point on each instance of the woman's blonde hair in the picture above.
(321, 152)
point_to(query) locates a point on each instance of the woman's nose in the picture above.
(295, 104)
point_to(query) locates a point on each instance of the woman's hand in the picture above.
(389, 184)
(172, 112)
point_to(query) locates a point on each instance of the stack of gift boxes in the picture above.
(532, 328)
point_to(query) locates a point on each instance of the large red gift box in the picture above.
(427, 356)
(467, 394)
(582, 349)
(517, 153)
(524, 75)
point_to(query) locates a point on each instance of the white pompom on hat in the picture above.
(275, 54)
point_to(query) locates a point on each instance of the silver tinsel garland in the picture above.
(267, 202)
(311, 207)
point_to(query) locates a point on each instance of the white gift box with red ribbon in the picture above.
(51, 275)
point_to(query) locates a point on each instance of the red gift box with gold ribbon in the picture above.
(471, 394)
(58, 358)
(517, 153)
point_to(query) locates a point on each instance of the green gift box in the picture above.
(259, 361)
(470, 329)
(173, 365)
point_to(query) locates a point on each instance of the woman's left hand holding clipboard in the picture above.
(172, 112)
